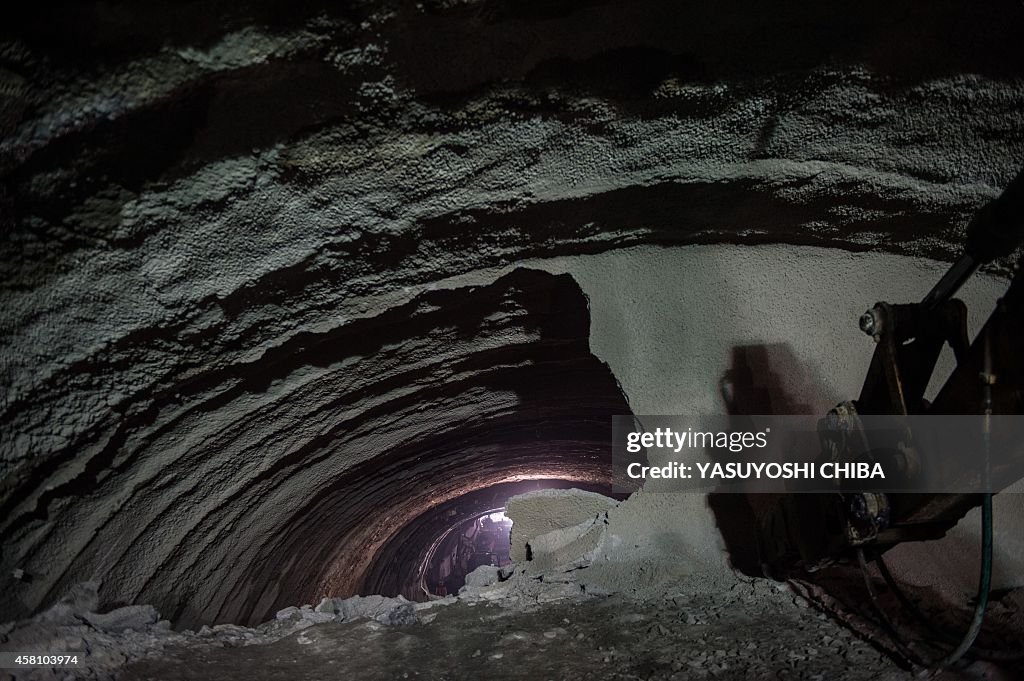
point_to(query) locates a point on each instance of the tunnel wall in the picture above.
(673, 324)
(276, 481)
(210, 209)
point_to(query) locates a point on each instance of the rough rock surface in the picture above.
(538, 513)
(453, 392)
(135, 617)
(528, 624)
(755, 631)
(378, 608)
(646, 546)
(231, 235)
(109, 641)
(484, 575)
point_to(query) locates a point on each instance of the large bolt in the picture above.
(871, 322)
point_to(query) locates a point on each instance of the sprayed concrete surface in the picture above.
(680, 327)
(668, 325)
(673, 322)
(645, 546)
(238, 240)
(540, 512)
(265, 305)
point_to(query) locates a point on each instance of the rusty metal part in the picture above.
(813, 531)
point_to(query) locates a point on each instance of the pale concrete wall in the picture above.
(540, 512)
(666, 319)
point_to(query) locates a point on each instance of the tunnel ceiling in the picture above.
(243, 240)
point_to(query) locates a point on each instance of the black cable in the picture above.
(984, 584)
(904, 647)
(915, 612)
(916, 662)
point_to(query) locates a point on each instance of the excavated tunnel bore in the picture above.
(292, 289)
(400, 565)
(472, 389)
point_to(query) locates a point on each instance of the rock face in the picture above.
(485, 575)
(646, 546)
(325, 448)
(754, 632)
(136, 617)
(250, 320)
(106, 642)
(538, 513)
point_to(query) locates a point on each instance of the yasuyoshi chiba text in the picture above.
(733, 470)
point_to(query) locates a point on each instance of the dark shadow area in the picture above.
(759, 381)
(906, 40)
(921, 614)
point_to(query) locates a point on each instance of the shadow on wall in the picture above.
(761, 380)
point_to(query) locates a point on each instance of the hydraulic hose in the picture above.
(985, 579)
(921, 665)
(984, 585)
(915, 612)
(903, 647)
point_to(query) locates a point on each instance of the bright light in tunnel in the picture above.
(425, 554)
(499, 517)
(483, 539)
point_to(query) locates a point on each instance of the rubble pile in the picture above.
(603, 594)
(118, 637)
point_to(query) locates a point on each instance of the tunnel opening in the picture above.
(291, 471)
(484, 540)
(517, 397)
(410, 563)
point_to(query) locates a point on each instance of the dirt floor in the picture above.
(756, 631)
(523, 627)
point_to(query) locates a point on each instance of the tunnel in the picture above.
(295, 294)
(515, 395)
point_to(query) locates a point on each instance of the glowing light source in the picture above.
(499, 516)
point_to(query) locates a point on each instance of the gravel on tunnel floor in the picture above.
(753, 631)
